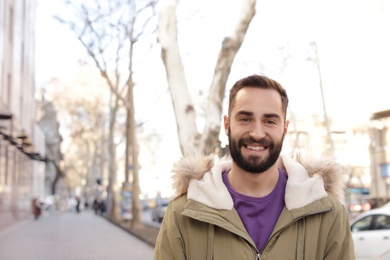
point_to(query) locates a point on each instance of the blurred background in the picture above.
(98, 99)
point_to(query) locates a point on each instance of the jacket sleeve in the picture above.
(340, 243)
(169, 243)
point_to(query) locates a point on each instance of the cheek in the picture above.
(237, 132)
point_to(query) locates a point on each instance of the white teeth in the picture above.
(256, 148)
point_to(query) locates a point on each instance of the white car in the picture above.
(371, 234)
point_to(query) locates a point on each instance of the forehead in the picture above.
(258, 100)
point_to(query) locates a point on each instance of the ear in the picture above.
(226, 124)
(286, 127)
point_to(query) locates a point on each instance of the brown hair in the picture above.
(258, 81)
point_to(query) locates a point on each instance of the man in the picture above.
(260, 205)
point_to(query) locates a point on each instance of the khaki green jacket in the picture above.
(202, 224)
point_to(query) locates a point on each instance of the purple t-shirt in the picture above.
(259, 215)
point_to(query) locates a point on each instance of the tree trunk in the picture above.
(111, 190)
(59, 175)
(230, 46)
(191, 141)
(132, 142)
(136, 212)
(181, 100)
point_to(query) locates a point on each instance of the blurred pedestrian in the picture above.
(103, 207)
(78, 201)
(258, 204)
(96, 205)
(36, 207)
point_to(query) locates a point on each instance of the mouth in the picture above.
(255, 147)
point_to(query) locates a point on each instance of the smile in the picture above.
(255, 148)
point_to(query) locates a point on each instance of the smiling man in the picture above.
(258, 204)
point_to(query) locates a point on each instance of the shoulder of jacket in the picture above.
(189, 168)
(179, 201)
(335, 202)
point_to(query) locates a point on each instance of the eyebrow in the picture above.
(244, 113)
(272, 115)
(247, 113)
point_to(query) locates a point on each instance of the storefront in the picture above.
(21, 175)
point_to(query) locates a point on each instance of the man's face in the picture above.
(256, 129)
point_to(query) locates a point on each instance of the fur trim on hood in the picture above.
(331, 172)
(309, 179)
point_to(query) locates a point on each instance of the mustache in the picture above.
(249, 140)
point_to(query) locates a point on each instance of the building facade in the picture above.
(22, 143)
(380, 157)
(349, 146)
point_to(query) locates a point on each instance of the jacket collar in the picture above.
(309, 180)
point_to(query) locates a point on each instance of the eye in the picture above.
(244, 119)
(270, 122)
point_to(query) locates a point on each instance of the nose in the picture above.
(257, 132)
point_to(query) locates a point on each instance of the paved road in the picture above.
(70, 236)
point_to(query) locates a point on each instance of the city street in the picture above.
(70, 236)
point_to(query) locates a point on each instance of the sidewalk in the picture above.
(70, 236)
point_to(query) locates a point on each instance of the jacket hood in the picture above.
(309, 179)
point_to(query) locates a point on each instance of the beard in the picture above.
(254, 164)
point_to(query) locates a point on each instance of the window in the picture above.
(381, 222)
(363, 224)
(9, 86)
(11, 25)
(373, 222)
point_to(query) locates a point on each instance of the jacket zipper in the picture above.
(258, 257)
(301, 217)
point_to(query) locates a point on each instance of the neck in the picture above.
(253, 184)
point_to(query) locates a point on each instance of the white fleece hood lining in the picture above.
(301, 189)
(211, 190)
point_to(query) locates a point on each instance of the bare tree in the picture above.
(109, 31)
(315, 58)
(47, 120)
(84, 115)
(191, 141)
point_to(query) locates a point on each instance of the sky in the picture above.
(353, 48)
(352, 39)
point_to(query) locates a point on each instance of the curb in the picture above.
(152, 244)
